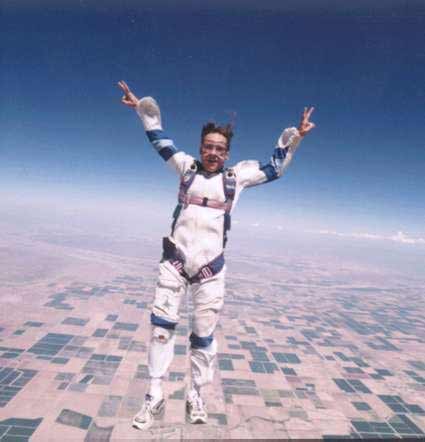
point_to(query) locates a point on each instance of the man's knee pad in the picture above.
(162, 335)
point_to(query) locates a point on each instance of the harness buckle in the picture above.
(205, 201)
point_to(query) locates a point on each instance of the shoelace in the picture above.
(141, 416)
(199, 404)
(147, 405)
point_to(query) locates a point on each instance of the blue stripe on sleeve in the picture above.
(164, 142)
(280, 152)
(155, 135)
(161, 143)
(167, 152)
(270, 172)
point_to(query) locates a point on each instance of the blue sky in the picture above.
(64, 131)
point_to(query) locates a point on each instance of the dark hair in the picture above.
(211, 127)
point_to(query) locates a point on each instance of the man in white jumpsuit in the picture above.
(193, 253)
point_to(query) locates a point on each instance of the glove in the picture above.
(291, 138)
(148, 110)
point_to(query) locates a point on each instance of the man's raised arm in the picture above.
(148, 110)
(252, 173)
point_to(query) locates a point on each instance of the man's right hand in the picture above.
(128, 98)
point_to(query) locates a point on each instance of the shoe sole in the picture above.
(197, 421)
(140, 426)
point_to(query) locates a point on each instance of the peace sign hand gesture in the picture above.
(128, 98)
(306, 125)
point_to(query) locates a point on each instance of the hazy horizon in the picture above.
(65, 132)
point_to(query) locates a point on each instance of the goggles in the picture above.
(219, 148)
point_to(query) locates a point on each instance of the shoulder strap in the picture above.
(229, 186)
(186, 181)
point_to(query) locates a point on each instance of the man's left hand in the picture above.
(305, 125)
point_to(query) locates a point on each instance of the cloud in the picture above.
(399, 237)
(365, 235)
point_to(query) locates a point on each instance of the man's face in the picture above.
(214, 151)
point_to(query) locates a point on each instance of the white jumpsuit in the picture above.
(198, 236)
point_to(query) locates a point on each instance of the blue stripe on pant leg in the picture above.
(200, 342)
(160, 322)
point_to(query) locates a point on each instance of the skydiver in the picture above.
(193, 252)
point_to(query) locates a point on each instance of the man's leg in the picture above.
(208, 299)
(164, 317)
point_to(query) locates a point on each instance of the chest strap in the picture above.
(206, 202)
(229, 188)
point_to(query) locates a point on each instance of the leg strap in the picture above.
(171, 253)
(209, 270)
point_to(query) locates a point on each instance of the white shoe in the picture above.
(195, 409)
(147, 414)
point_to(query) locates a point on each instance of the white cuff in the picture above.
(148, 111)
(291, 138)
